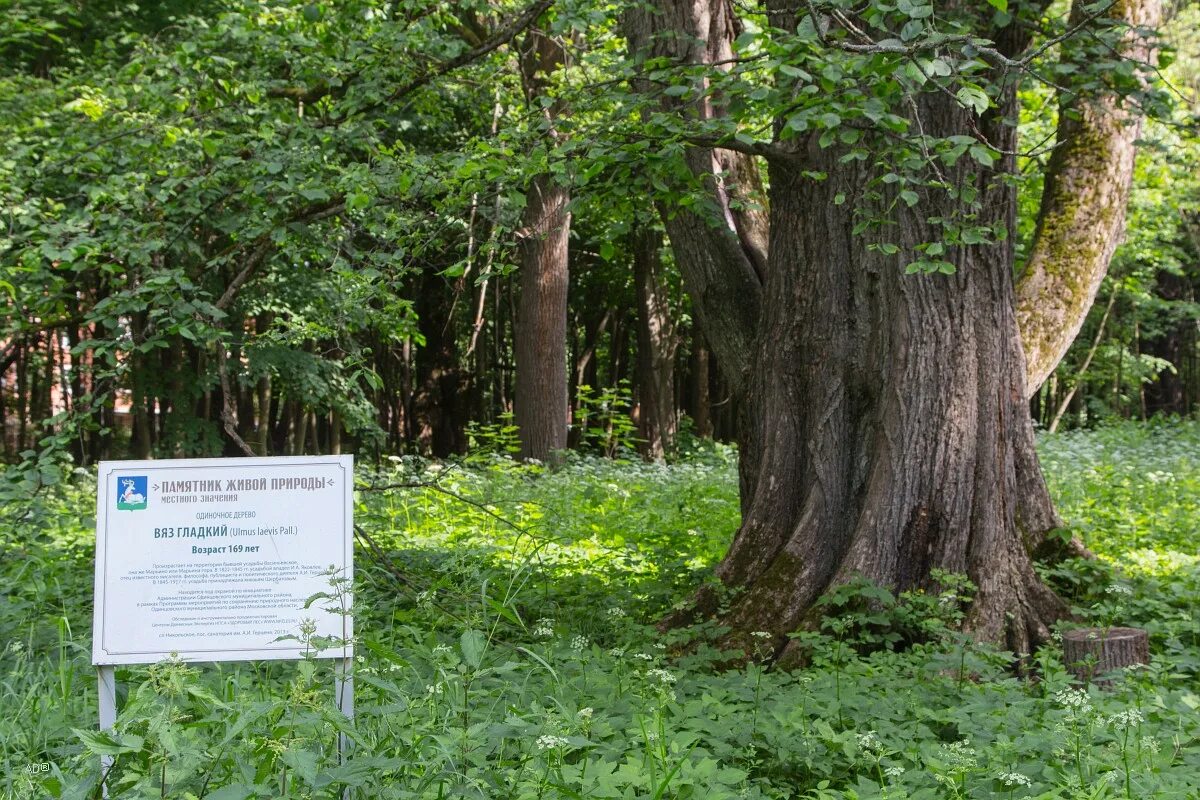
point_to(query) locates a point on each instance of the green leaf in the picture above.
(973, 97)
(106, 743)
(473, 643)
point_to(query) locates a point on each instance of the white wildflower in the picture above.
(617, 652)
(585, 713)
(1074, 699)
(1118, 589)
(661, 675)
(960, 755)
(579, 644)
(868, 741)
(1126, 719)
(893, 772)
(616, 612)
(643, 656)
(1013, 779)
(551, 742)
(761, 635)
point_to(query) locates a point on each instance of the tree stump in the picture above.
(1090, 653)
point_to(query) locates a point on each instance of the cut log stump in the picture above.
(1091, 654)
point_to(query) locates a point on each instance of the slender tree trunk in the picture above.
(1082, 216)
(656, 346)
(1168, 393)
(440, 402)
(701, 398)
(541, 402)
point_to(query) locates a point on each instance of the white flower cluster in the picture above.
(616, 612)
(893, 772)
(544, 628)
(661, 675)
(1014, 779)
(1126, 719)
(1074, 699)
(1118, 589)
(761, 635)
(579, 644)
(643, 656)
(551, 742)
(869, 741)
(959, 755)
(617, 652)
(585, 713)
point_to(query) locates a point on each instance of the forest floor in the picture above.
(508, 651)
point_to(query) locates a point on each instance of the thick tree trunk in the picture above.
(541, 402)
(887, 414)
(656, 346)
(1082, 216)
(884, 426)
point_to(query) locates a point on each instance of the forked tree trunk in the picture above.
(656, 346)
(541, 402)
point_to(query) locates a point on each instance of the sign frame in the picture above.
(133, 497)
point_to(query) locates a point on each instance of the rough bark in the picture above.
(888, 414)
(656, 346)
(1082, 215)
(541, 402)
(885, 432)
(1093, 654)
(720, 245)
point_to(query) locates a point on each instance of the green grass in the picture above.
(508, 652)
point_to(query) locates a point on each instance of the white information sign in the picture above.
(214, 558)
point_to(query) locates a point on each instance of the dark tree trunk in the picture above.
(1176, 343)
(541, 402)
(701, 405)
(656, 346)
(440, 402)
(887, 432)
(884, 429)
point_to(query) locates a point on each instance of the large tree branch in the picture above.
(1082, 215)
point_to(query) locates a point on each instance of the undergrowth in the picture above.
(508, 651)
